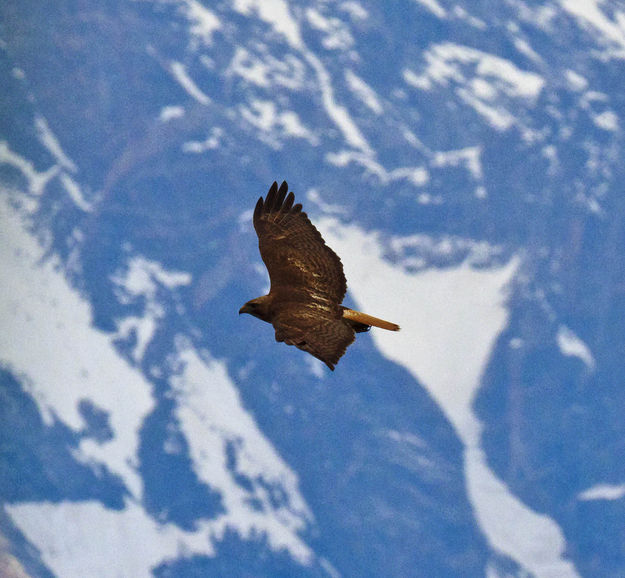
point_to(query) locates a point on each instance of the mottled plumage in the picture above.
(307, 282)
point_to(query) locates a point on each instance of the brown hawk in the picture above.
(307, 282)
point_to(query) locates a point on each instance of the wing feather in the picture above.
(297, 258)
(324, 337)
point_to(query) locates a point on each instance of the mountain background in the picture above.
(466, 161)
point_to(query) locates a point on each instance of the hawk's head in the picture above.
(258, 307)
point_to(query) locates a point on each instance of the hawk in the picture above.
(307, 282)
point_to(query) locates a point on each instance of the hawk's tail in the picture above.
(365, 319)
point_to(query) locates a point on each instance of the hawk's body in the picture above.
(307, 282)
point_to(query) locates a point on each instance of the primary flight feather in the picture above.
(307, 282)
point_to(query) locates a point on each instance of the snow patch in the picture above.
(212, 417)
(576, 81)
(17, 72)
(143, 274)
(418, 176)
(265, 70)
(482, 80)
(572, 346)
(364, 92)
(338, 114)
(126, 543)
(36, 180)
(59, 357)
(263, 114)
(329, 209)
(534, 540)
(75, 192)
(209, 143)
(414, 252)
(49, 140)
(181, 75)
(204, 21)
(142, 279)
(250, 68)
(336, 34)
(445, 342)
(276, 13)
(602, 492)
(590, 15)
(606, 120)
(170, 112)
(355, 10)
(470, 157)
(434, 7)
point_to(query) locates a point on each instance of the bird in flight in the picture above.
(307, 282)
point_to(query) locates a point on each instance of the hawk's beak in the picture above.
(244, 309)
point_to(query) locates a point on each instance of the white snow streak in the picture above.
(603, 492)
(49, 140)
(180, 73)
(418, 176)
(434, 7)
(364, 92)
(572, 346)
(170, 112)
(337, 113)
(75, 192)
(533, 540)
(36, 180)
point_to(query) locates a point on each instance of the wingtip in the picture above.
(258, 208)
(277, 198)
(282, 191)
(271, 196)
(288, 202)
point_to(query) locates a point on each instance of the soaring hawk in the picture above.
(307, 282)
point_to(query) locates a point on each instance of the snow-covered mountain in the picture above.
(466, 161)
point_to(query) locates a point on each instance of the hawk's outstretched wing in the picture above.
(307, 279)
(320, 335)
(293, 250)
